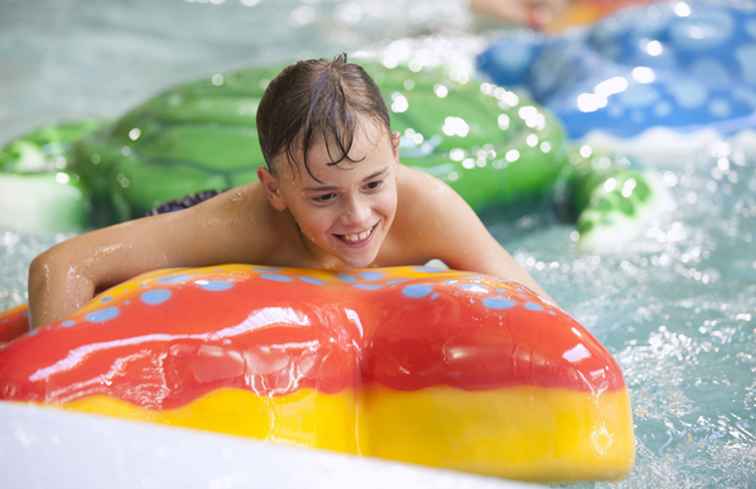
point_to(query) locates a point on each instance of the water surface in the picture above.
(676, 307)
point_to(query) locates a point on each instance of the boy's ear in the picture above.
(395, 140)
(272, 188)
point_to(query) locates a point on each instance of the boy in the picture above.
(333, 196)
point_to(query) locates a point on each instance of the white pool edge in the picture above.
(43, 448)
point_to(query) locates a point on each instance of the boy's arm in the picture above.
(451, 231)
(68, 275)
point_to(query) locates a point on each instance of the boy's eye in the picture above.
(374, 185)
(324, 198)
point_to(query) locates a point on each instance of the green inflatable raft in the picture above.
(495, 148)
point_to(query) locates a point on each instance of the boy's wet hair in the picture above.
(317, 100)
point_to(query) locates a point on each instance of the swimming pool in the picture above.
(676, 308)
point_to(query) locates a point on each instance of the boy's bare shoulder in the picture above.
(425, 205)
(241, 220)
(432, 216)
(421, 193)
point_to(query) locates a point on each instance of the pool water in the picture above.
(676, 307)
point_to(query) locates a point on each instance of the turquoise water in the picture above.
(676, 307)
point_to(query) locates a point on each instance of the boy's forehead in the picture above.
(371, 143)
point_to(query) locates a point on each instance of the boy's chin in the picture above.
(358, 262)
(359, 259)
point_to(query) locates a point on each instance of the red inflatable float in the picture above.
(442, 368)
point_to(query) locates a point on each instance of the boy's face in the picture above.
(348, 214)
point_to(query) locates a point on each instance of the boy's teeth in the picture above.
(358, 236)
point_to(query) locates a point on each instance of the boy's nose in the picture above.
(356, 213)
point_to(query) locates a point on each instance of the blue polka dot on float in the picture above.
(155, 297)
(417, 291)
(219, 285)
(311, 280)
(275, 277)
(103, 315)
(498, 302)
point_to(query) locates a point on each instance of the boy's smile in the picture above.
(358, 239)
(342, 210)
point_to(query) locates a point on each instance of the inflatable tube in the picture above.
(686, 66)
(493, 147)
(435, 367)
(37, 190)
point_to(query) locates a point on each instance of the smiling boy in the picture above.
(333, 195)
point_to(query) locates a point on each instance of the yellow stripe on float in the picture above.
(306, 417)
(526, 433)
